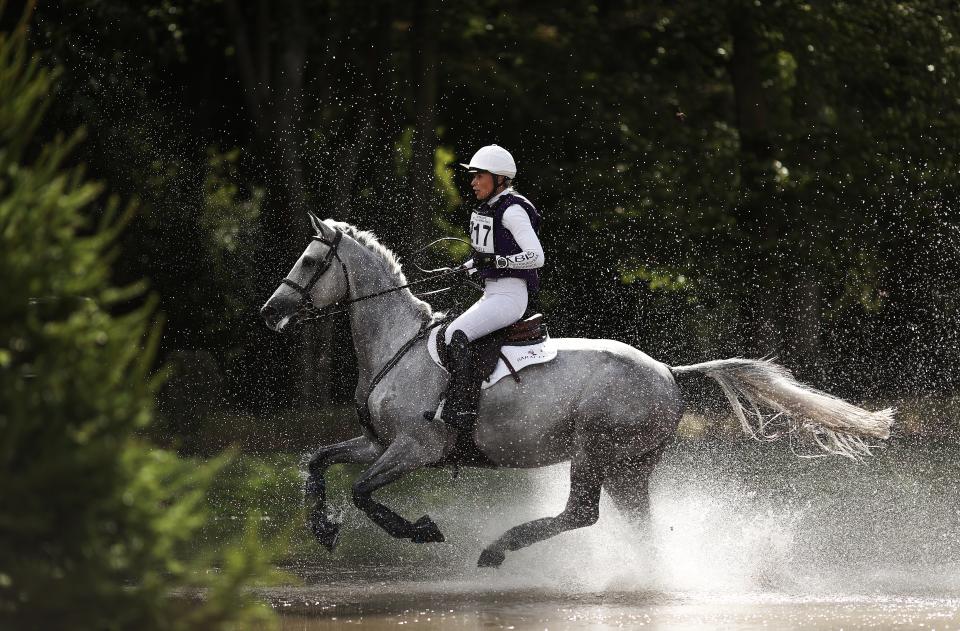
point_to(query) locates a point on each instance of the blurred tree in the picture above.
(724, 178)
(128, 67)
(270, 44)
(746, 193)
(425, 59)
(96, 527)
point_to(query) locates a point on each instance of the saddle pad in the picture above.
(519, 356)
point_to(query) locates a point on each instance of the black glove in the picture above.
(482, 261)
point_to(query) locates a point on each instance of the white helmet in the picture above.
(494, 159)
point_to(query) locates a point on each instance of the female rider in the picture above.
(506, 255)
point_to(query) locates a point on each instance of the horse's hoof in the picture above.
(491, 558)
(326, 531)
(425, 531)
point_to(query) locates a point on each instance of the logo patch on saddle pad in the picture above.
(519, 356)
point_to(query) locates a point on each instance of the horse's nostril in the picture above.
(268, 313)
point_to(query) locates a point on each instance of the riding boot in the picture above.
(463, 390)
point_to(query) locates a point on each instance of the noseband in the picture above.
(324, 265)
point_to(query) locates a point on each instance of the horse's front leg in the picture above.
(360, 450)
(404, 455)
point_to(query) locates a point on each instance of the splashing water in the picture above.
(755, 519)
(742, 534)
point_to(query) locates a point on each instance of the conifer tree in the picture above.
(96, 526)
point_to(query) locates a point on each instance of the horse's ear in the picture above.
(322, 228)
(318, 226)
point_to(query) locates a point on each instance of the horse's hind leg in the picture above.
(583, 509)
(627, 482)
(360, 450)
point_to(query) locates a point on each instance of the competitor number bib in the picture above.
(481, 233)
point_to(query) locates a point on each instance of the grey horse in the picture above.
(604, 406)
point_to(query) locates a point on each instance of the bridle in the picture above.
(312, 312)
(324, 265)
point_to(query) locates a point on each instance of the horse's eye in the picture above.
(309, 261)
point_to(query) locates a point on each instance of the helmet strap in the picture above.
(500, 184)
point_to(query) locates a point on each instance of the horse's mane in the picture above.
(390, 260)
(370, 241)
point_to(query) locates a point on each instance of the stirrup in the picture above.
(435, 415)
(468, 419)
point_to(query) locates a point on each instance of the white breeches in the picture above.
(503, 303)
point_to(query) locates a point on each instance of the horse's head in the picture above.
(313, 283)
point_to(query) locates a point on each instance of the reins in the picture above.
(363, 409)
(430, 245)
(309, 312)
(313, 313)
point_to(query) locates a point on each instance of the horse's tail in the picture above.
(836, 426)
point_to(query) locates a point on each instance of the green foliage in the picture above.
(227, 216)
(96, 527)
(631, 122)
(657, 280)
(855, 151)
(272, 486)
(292, 431)
(444, 174)
(229, 221)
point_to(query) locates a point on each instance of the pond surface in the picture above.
(465, 604)
(743, 536)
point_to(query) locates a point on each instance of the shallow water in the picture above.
(743, 536)
(540, 610)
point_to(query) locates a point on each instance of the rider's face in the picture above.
(482, 184)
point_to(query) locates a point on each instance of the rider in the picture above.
(506, 255)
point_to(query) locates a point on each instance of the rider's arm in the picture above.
(517, 221)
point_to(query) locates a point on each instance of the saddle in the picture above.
(487, 351)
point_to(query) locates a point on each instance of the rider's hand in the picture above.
(483, 261)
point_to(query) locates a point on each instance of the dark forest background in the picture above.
(718, 179)
(738, 177)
